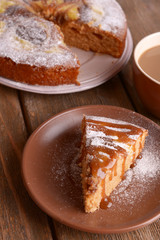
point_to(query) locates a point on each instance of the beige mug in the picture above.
(147, 87)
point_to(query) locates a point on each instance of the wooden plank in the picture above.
(151, 232)
(20, 218)
(38, 108)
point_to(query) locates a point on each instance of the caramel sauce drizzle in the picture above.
(104, 157)
(123, 167)
(115, 169)
(106, 202)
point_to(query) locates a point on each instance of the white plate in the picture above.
(95, 69)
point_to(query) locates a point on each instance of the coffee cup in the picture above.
(146, 81)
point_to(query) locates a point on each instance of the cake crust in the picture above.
(37, 75)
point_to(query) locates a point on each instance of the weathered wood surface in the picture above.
(22, 112)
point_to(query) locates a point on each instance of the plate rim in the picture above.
(48, 89)
(89, 229)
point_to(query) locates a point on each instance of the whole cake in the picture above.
(108, 149)
(32, 49)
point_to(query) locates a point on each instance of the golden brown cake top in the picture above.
(28, 39)
(106, 139)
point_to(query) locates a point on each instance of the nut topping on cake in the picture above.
(2, 26)
(5, 4)
(57, 9)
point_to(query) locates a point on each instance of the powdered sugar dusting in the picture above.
(134, 137)
(75, 170)
(109, 120)
(104, 13)
(104, 154)
(95, 137)
(121, 144)
(28, 39)
(138, 181)
(118, 129)
(100, 142)
(91, 133)
(147, 167)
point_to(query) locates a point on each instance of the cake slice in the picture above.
(108, 149)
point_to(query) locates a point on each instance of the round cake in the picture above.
(34, 34)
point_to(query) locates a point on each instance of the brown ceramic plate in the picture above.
(52, 176)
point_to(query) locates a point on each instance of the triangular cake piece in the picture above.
(108, 149)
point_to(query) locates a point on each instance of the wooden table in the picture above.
(22, 112)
